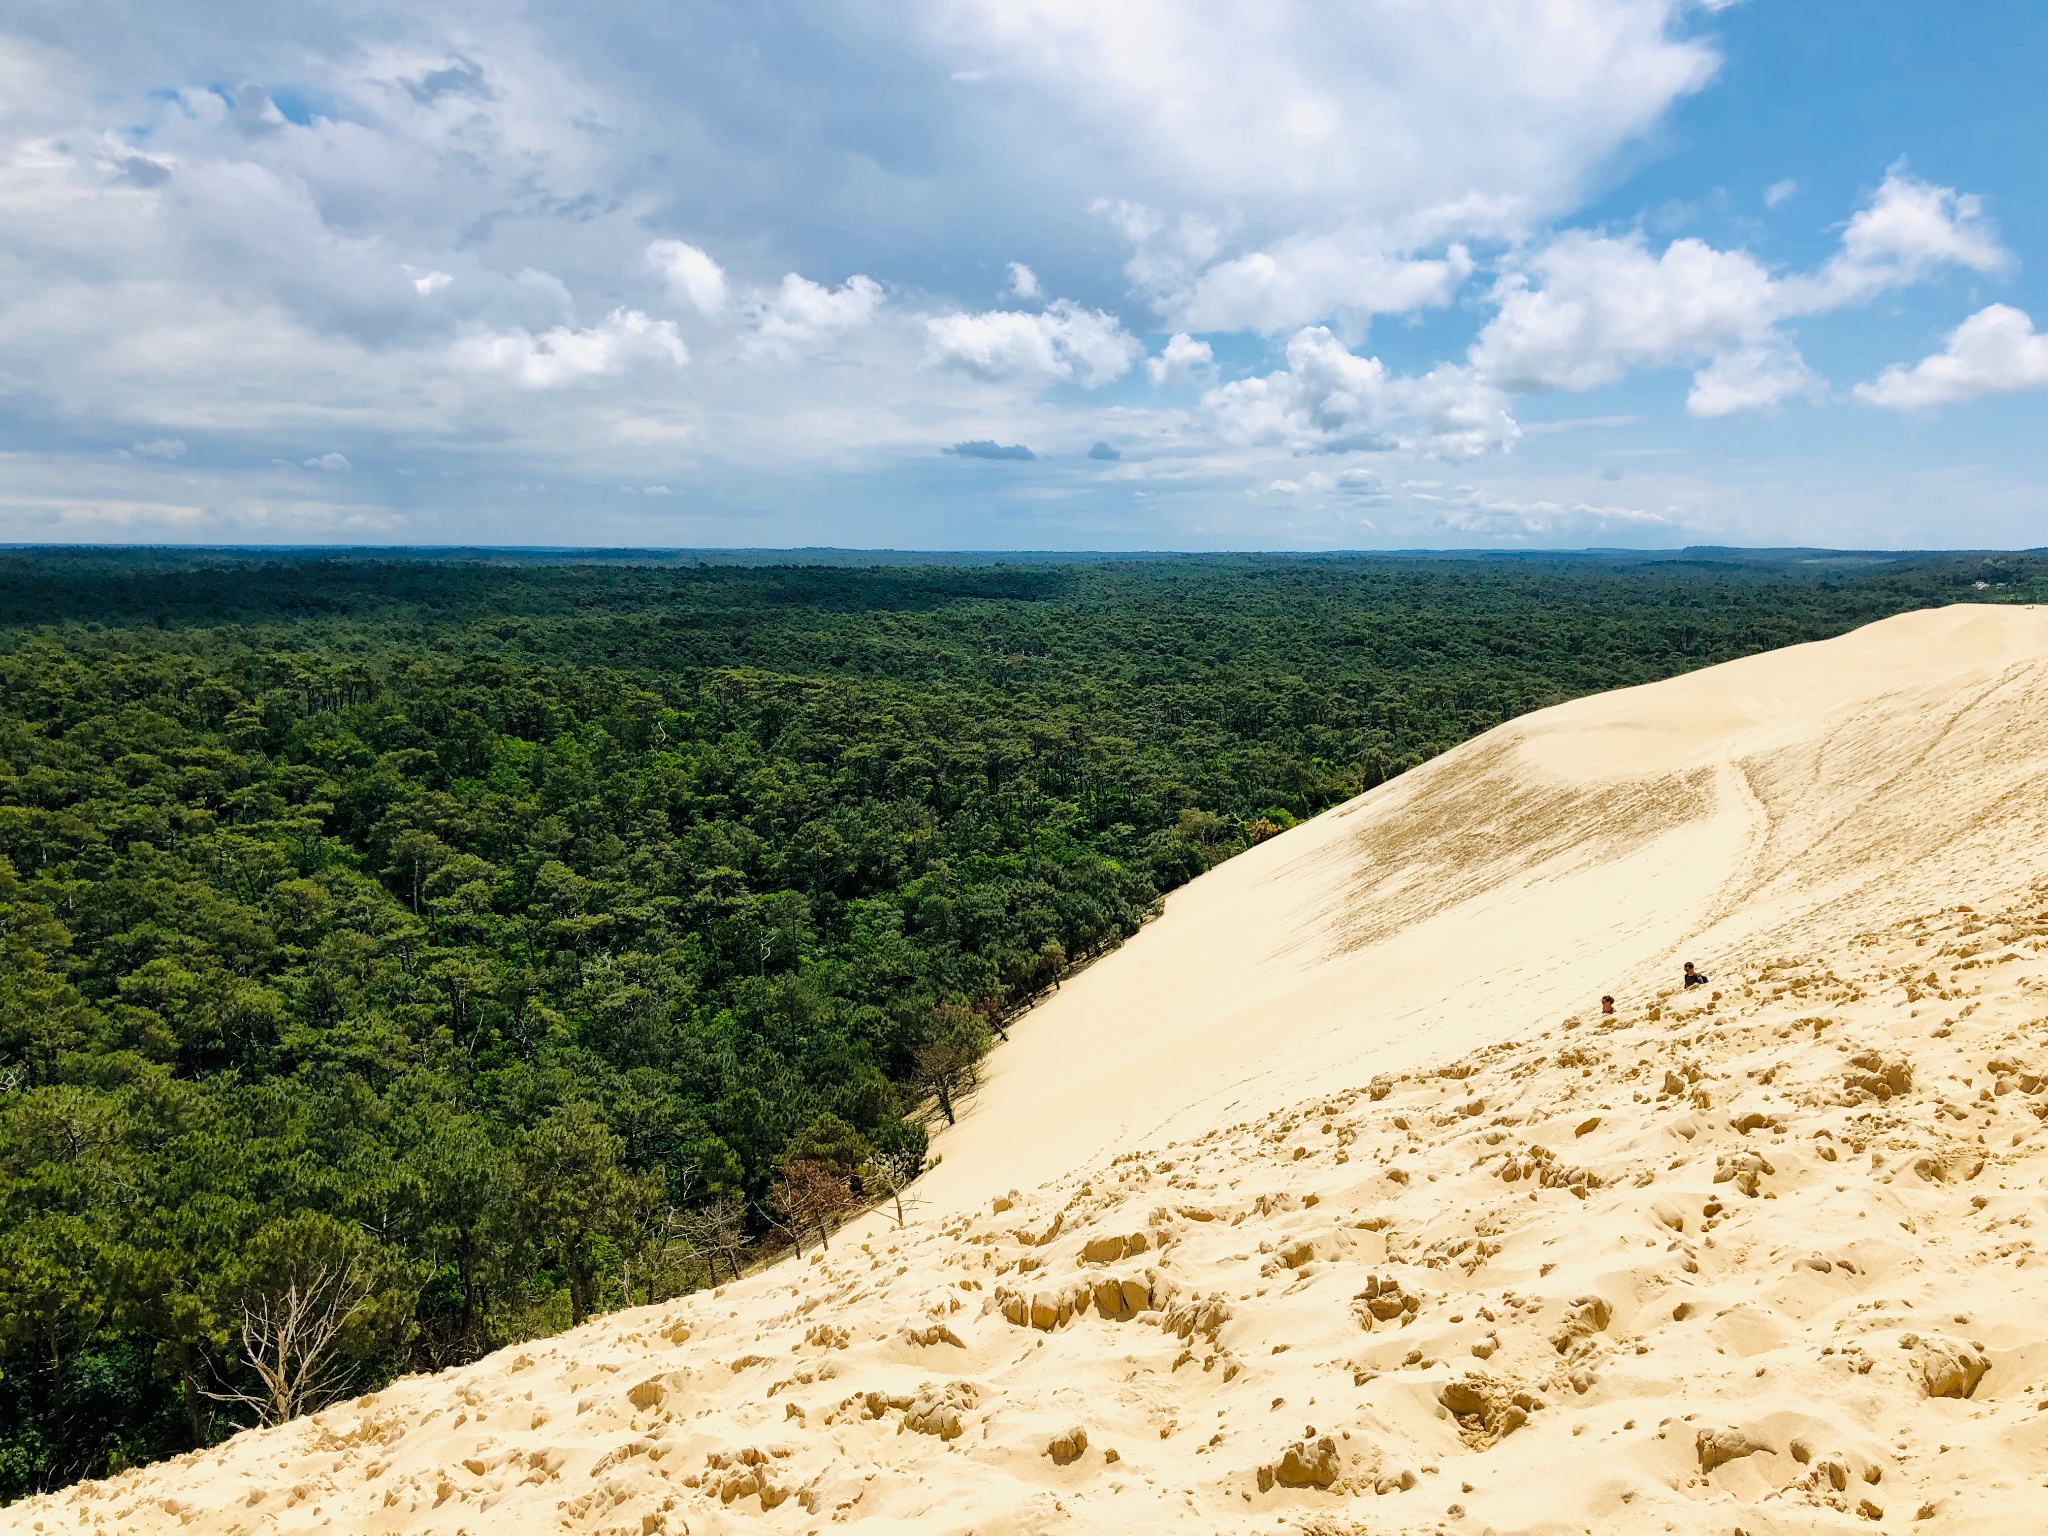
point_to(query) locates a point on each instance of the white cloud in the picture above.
(1353, 271)
(1330, 400)
(1750, 378)
(652, 431)
(1024, 282)
(1315, 162)
(1996, 351)
(564, 355)
(1779, 193)
(1475, 510)
(1362, 485)
(1064, 341)
(1181, 360)
(425, 282)
(801, 310)
(331, 462)
(690, 274)
(161, 448)
(1293, 114)
(1165, 253)
(1910, 230)
(1313, 277)
(1586, 309)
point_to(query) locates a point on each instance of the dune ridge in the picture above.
(1333, 1202)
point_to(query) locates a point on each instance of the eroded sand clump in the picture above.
(1757, 1257)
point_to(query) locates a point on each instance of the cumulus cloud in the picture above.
(803, 311)
(425, 282)
(1352, 271)
(1321, 163)
(160, 448)
(1311, 278)
(1910, 230)
(1372, 110)
(1749, 379)
(988, 448)
(564, 355)
(331, 462)
(1996, 351)
(1330, 400)
(1586, 309)
(1024, 282)
(1063, 341)
(1182, 359)
(1165, 253)
(1104, 452)
(690, 274)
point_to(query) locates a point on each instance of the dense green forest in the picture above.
(472, 945)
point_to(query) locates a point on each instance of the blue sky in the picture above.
(1353, 274)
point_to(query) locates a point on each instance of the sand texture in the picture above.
(1332, 1203)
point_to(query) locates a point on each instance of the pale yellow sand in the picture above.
(1331, 1202)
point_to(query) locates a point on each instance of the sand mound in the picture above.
(1332, 1200)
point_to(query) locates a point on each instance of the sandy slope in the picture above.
(1344, 1209)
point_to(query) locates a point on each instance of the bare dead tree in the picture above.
(888, 1174)
(715, 1230)
(288, 1340)
(806, 1198)
(685, 1233)
(726, 1221)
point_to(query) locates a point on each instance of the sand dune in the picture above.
(1331, 1201)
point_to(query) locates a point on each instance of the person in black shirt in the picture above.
(1694, 978)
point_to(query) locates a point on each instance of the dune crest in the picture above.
(1333, 1201)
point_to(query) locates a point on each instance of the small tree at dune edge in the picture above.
(949, 1061)
(888, 1173)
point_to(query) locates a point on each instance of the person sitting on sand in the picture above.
(1694, 978)
(1607, 1005)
